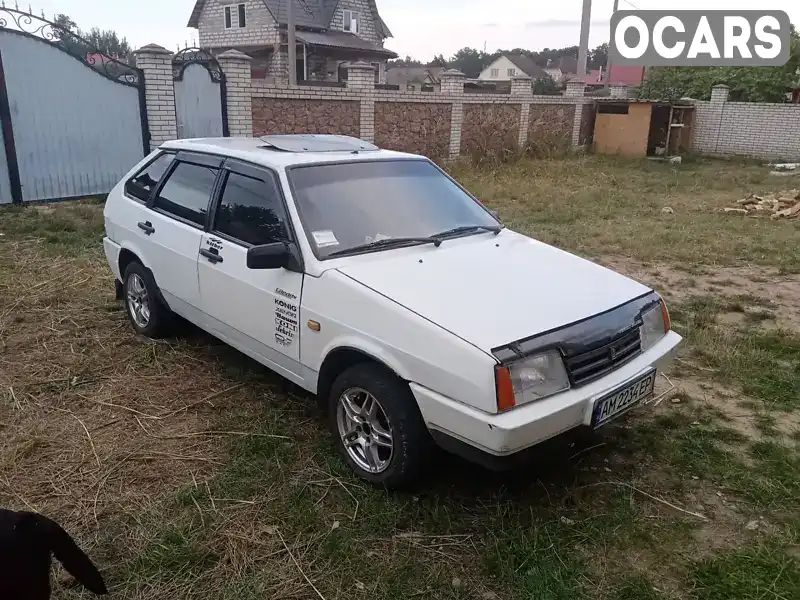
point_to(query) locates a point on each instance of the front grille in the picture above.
(591, 365)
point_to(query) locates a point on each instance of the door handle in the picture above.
(147, 227)
(212, 255)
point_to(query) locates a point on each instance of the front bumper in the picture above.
(522, 427)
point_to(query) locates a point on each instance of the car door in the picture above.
(256, 311)
(128, 216)
(179, 209)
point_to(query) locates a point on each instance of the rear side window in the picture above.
(141, 185)
(187, 192)
(249, 210)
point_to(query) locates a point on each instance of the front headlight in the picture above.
(655, 325)
(532, 378)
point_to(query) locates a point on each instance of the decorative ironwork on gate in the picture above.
(189, 56)
(33, 170)
(17, 21)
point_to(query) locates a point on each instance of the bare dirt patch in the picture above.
(752, 289)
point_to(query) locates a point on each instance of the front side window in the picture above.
(350, 18)
(249, 210)
(356, 203)
(141, 185)
(187, 192)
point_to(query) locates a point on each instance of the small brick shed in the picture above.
(639, 128)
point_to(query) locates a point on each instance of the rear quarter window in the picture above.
(141, 185)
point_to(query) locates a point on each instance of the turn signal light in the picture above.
(665, 316)
(505, 389)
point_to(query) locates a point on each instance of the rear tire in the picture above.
(377, 426)
(146, 313)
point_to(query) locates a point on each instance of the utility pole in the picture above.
(583, 49)
(608, 61)
(291, 42)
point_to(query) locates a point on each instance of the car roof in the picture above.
(270, 151)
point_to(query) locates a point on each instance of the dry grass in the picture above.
(189, 471)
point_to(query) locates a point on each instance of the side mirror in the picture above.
(268, 256)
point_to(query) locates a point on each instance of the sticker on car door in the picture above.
(286, 320)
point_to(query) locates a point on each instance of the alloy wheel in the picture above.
(138, 301)
(364, 429)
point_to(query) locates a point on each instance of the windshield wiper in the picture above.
(468, 229)
(388, 243)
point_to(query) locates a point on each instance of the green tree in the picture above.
(470, 61)
(438, 61)
(747, 84)
(404, 62)
(96, 40)
(598, 58)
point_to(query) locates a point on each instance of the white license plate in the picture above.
(620, 400)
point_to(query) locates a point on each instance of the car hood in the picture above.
(493, 290)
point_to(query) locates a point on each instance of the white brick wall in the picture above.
(236, 67)
(156, 62)
(261, 27)
(758, 129)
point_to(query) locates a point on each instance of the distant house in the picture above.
(415, 78)
(561, 69)
(592, 78)
(329, 33)
(618, 74)
(506, 66)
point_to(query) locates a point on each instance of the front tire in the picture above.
(148, 316)
(377, 426)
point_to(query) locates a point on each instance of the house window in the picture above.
(512, 72)
(350, 21)
(377, 68)
(495, 72)
(235, 16)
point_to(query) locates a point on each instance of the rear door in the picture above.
(128, 218)
(177, 219)
(256, 310)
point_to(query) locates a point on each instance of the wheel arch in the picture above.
(129, 254)
(341, 358)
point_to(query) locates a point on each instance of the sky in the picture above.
(421, 28)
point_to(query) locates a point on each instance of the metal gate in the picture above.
(200, 94)
(73, 120)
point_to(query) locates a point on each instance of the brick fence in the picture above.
(759, 129)
(441, 125)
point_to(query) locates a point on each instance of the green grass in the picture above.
(765, 363)
(600, 206)
(751, 574)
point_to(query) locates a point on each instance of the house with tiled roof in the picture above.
(329, 33)
(506, 66)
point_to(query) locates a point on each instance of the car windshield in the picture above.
(352, 205)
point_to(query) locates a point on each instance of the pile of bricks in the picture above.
(779, 205)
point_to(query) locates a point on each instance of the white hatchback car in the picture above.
(374, 280)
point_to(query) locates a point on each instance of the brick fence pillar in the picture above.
(716, 108)
(719, 94)
(576, 90)
(361, 77)
(522, 87)
(156, 63)
(238, 98)
(452, 84)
